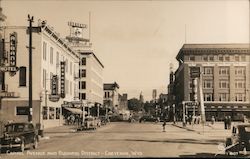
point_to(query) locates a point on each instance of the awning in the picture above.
(75, 110)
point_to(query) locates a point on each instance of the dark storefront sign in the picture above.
(22, 110)
(62, 79)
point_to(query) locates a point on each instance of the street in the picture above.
(128, 140)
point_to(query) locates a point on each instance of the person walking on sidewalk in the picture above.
(229, 122)
(225, 122)
(164, 125)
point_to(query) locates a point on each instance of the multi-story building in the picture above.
(111, 96)
(91, 80)
(123, 101)
(55, 65)
(225, 78)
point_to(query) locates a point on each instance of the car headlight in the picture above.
(17, 139)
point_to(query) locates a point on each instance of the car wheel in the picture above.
(35, 144)
(22, 146)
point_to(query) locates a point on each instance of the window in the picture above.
(237, 58)
(208, 97)
(208, 70)
(207, 84)
(191, 58)
(70, 68)
(82, 96)
(51, 55)
(223, 97)
(83, 85)
(22, 110)
(223, 84)
(51, 113)
(243, 58)
(22, 76)
(191, 96)
(57, 59)
(191, 85)
(224, 70)
(44, 78)
(211, 58)
(45, 113)
(57, 113)
(240, 97)
(44, 50)
(70, 88)
(67, 86)
(82, 73)
(227, 58)
(66, 65)
(205, 58)
(84, 61)
(240, 84)
(240, 71)
(220, 58)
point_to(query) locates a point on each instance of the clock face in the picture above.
(77, 32)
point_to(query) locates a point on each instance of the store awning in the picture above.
(75, 110)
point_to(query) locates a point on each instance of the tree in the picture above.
(134, 104)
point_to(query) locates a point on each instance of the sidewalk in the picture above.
(199, 128)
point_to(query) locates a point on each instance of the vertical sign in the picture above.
(54, 85)
(13, 46)
(62, 79)
(13, 43)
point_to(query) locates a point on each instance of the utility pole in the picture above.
(31, 20)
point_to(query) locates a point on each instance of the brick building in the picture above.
(225, 79)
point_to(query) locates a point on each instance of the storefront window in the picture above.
(51, 113)
(45, 113)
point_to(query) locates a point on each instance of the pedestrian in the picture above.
(229, 122)
(164, 125)
(212, 120)
(225, 122)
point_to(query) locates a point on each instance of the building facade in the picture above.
(111, 96)
(55, 66)
(225, 79)
(91, 80)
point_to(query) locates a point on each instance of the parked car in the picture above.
(19, 135)
(239, 140)
(104, 120)
(90, 123)
(149, 118)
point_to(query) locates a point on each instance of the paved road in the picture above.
(127, 140)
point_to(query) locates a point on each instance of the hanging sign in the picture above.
(62, 79)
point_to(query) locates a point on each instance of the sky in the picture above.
(137, 40)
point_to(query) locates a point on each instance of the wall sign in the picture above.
(13, 49)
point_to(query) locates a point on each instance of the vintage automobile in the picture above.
(90, 123)
(148, 118)
(20, 136)
(239, 140)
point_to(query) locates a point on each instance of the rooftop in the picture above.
(110, 86)
(217, 46)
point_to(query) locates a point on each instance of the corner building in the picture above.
(225, 79)
(49, 50)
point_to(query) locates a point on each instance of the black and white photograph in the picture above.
(124, 79)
